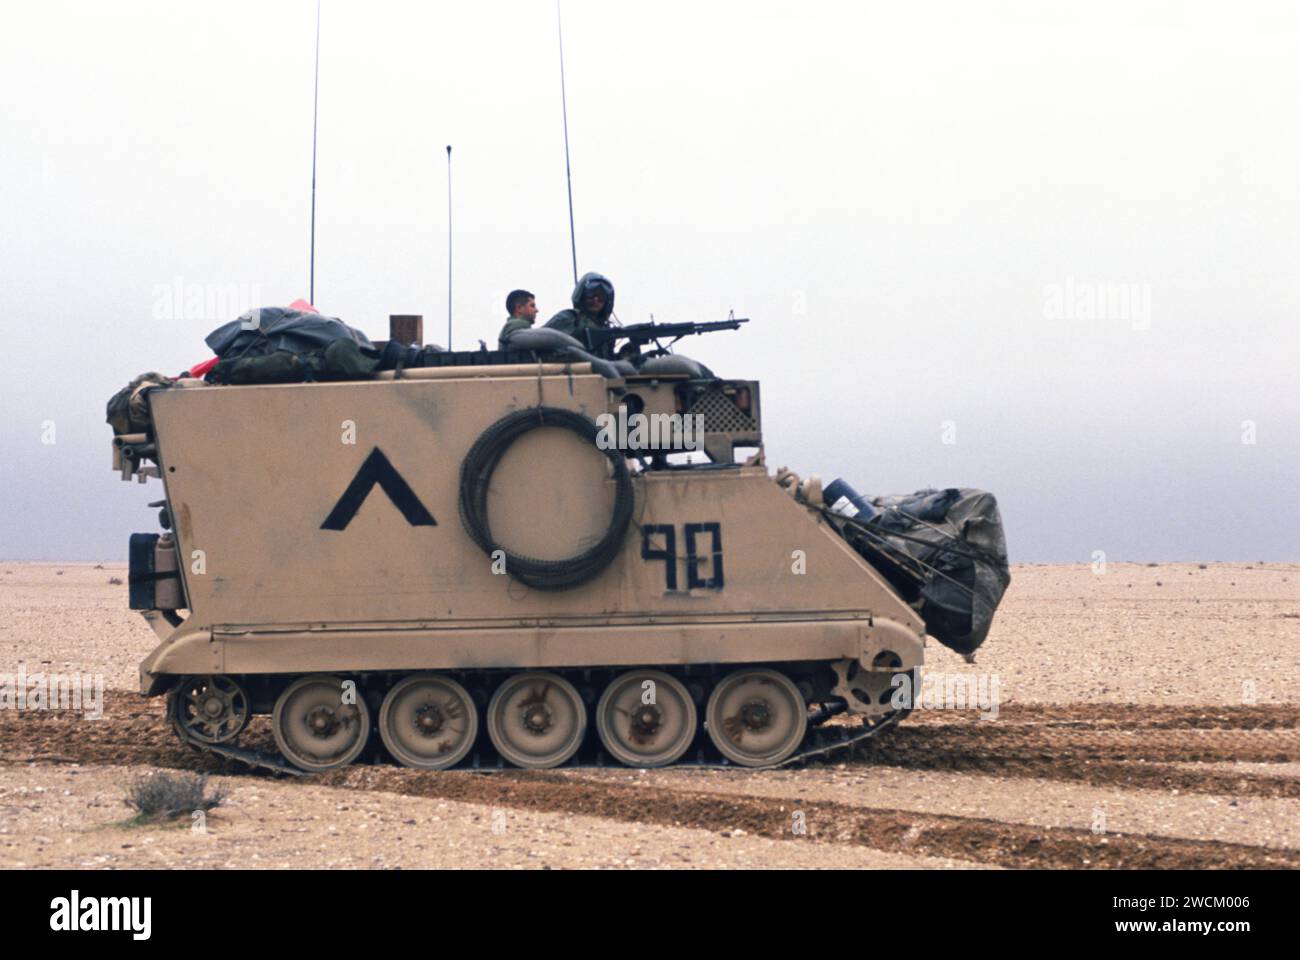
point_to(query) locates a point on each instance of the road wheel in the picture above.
(428, 722)
(320, 723)
(644, 725)
(536, 720)
(756, 717)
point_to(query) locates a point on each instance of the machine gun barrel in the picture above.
(642, 333)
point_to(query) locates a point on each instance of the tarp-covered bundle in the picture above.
(128, 409)
(944, 552)
(283, 345)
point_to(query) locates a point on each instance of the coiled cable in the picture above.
(476, 477)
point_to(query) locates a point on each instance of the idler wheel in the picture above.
(209, 709)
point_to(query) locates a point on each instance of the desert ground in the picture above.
(1147, 716)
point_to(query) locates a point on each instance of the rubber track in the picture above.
(821, 742)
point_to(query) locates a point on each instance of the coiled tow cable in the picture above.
(476, 476)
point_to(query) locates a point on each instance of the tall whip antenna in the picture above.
(315, 103)
(568, 173)
(448, 246)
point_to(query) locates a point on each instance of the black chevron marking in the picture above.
(378, 470)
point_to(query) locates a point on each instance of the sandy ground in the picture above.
(53, 816)
(1149, 716)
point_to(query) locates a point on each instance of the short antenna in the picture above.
(568, 173)
(315, 104)
(449, 237)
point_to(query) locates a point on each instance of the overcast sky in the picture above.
(1048, 250)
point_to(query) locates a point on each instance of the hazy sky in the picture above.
(1049, 250)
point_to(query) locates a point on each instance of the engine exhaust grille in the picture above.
(721, 415)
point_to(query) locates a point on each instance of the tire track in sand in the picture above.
(964, 838)
(1054, 742)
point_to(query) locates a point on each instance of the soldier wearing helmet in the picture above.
(593, 304)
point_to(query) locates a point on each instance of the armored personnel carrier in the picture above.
(498, 559)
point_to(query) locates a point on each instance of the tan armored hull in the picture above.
(319, 534)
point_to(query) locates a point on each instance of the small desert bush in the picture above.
(164, 795)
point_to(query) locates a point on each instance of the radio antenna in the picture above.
(315, 103)
(449, 235)
(568, 173)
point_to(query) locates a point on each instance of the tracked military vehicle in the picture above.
(476, 561)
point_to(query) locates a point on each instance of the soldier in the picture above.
(522, 308)
(593, 302)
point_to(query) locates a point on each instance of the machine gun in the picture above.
(600, 341)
